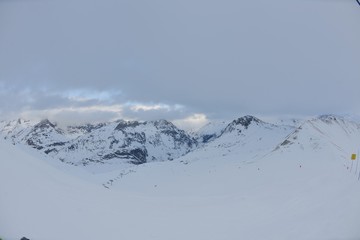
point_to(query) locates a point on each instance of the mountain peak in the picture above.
(85, 128)
(336, 117)
(328, 117)
(125, 124)
(331, 118)
(162, 123)
(246, 121)
(45, 124)
(22, 121)
(242, 123)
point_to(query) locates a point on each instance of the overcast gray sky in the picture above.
(185, 60)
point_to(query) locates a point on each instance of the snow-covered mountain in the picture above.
(299, 187)
(246, 136)
(123, 143)
(14, 130)
(338, 133)
(210, 131)
(79, 130)
(130, 142)
(44, 136)
(106, 143)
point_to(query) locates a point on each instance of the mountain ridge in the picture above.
(121, 142)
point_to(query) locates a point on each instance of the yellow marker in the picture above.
(353, 156)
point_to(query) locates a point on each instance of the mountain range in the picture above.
(126, 143)
(242, 179)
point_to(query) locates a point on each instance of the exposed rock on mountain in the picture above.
(134, 142)
(106, 143)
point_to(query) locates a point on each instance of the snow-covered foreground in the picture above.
(212, 197)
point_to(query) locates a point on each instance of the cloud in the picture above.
(84, 95)
(192, 122)
(155, 111)
(137, 107)
(80, 106)
(75, 115)
(65, 116)
(219, 58)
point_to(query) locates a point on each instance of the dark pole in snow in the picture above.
(358, 1)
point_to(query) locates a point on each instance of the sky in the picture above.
(188, 61)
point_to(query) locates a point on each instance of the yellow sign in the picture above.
(353, 156)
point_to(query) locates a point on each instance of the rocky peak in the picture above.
(329, 118)
(162, 124)
(44, 124)
(243, 122)
(21, 121)
(246, 121)
(170, 129)
(127, 124)
(86, 128)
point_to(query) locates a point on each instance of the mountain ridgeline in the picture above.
(117, 142)
(134, 142)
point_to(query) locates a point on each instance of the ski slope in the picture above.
(293, 192)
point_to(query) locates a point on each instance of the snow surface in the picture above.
(300, 189)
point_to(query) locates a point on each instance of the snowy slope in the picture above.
(193, 197)
(293, 193)
(337, 133)
(210, 131)
(247, 137)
